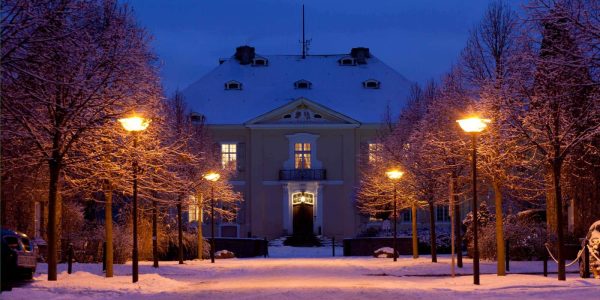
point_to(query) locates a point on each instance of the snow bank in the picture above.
(307, 278)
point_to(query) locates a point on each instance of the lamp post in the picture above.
(394, 175)
(212, 176)
(473, 126)
(135, 125)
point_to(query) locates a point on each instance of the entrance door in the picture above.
(303, 219)
(303, 213)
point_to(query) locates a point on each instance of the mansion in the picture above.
(293, 126)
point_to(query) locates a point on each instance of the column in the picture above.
(287, 224)
(319, 210)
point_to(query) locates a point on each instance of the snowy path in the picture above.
(306, 278)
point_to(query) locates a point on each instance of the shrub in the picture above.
(526, 238)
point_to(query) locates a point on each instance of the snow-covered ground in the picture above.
(320, 277)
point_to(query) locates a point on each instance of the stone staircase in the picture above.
(323, 241)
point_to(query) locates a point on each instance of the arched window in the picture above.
(347, 61)
(300, 198)
(371, 84)
(260, 61)
(233, 85)
(302, 84)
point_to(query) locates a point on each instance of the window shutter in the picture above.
(241, 157)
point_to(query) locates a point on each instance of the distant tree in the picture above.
(407, 136)
(442, 145)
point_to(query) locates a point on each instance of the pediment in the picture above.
(302, 111)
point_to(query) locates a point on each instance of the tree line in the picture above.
(70, 70)
(535, 75)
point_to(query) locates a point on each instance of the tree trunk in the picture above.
(501, 252)
(54, 168)
(457, 223)
(415, 238)
(179, 233)
(200, 238)
(108, 227)
(556, 165)
(432, 236)
(154, 234)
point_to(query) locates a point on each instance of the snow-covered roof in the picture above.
(265, 88)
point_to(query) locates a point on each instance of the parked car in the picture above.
(19, 255)
(592, 241)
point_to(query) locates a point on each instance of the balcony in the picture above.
(302, 174)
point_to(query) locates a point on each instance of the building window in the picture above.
(299, 198)
(302, 155)
(347, 61)
(371, 84)
(233, 85)
(228, 155)
(302, 84)
(194, 213)
(259, 61)
(375, 151)
(406, 215)
(442, 213)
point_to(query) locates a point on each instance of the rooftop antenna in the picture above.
(305, 42)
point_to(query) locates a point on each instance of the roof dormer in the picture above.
(347, 61)
(302, 84)
(371, 84)
(233, 85)
(260, 62)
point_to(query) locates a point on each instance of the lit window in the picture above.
(194, 213)
(300, 198)
(233, 85)
(228, 155)
(375, 150)
(302, 155)
(371, 84)
(442, 214)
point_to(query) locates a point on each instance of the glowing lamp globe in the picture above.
(134, 123)
(394, 174)
(212, 176)
(473, 124)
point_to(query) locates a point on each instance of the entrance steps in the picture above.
(314, 241)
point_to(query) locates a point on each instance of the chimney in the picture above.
(360, 54)
(244, 54)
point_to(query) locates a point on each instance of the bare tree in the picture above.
(81, 65)
(553, 104)
(484, 61)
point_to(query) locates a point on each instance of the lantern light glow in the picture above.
(473, 124)
(135, 123)
(394, 174)
(212, 176)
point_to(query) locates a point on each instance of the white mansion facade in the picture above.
(293, 126)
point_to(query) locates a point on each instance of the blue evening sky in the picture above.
(419, 38)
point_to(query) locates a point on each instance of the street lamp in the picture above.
(394, 175)
(212, 176)
(473, 126)
(135, 125)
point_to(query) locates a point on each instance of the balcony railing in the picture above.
(302, 174)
